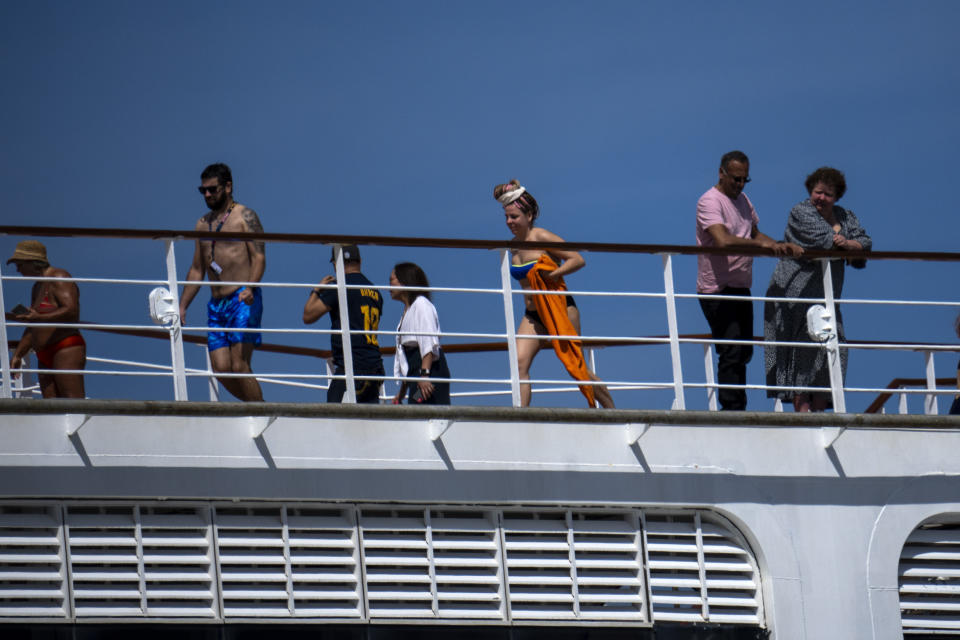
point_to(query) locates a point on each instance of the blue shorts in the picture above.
(229, 313)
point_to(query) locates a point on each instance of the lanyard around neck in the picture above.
(213, 243)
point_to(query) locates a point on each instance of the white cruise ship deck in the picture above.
(481, 519)
(803, 526)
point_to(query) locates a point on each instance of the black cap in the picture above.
(350, 252)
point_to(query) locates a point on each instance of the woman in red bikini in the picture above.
(51, 301)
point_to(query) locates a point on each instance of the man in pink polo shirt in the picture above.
(726, 219)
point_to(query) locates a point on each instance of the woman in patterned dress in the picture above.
(815, 223)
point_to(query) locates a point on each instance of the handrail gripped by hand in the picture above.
(462, 243)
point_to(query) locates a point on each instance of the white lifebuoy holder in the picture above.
(820, 325)
(162, 308)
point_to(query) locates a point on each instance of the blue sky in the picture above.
(393, 118)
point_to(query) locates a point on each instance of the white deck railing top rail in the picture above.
(509, 383)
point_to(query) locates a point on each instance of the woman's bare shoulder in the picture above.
(540, 234)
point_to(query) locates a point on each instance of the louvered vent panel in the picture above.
(672, 560)
(261, 560)
(179, 577)
(700, 570)
(324, 562)
(397, 563)
(253, 563)
(608, 565)
(466, 555)
(732, 577)
(104, 561)
(538, 565)
(32, 567)
(930, 578)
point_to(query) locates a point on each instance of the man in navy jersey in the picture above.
(364, 306)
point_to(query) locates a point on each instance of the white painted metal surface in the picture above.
(930, 576)
(511, 330)
(810, 530)
(516, 521)
(678, 399)
(5, 373)
(833, 344)
(176, 331)
(368, 562)
(33, 566)
(350, 394)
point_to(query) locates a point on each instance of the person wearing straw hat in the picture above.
(51, 301)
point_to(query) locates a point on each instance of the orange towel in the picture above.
(553, 314)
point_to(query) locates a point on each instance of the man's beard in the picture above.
(218, 203)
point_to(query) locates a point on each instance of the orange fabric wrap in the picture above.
(553, 314)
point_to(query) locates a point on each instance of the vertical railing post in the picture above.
(930, 399)
(176, 333)
(6, 391)
(833, 344)
(16, 384)
(350, 396)
(213, 387)
(678, 401)
(902, 408)
(507, 290)
(591, 356)
(711, 381)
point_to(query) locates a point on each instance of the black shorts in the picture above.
(368, 391)
(535, 317)
(439, 371)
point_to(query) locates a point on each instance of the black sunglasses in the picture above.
(738, 180)
(205, 190)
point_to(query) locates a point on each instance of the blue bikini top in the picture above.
(520, 271)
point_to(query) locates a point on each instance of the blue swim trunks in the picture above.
(229, 313)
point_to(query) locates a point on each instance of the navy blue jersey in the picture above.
(364, 306)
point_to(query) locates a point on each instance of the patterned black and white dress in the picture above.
(803, 278)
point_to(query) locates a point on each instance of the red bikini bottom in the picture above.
(45, 355)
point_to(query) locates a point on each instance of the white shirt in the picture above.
(420, 317)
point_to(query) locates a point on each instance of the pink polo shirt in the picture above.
(739, 217)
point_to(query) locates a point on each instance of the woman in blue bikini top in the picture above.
(521, 211)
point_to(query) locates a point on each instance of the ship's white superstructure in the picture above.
(835, 525)
(807, 527)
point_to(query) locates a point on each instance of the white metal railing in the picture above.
(508, 384)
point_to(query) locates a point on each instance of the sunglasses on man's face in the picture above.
(737, 179)
(206, 190)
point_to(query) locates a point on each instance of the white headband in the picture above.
(510, 196)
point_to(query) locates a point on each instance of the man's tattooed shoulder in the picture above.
(254, 226)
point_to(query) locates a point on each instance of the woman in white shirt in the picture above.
(418, 348)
